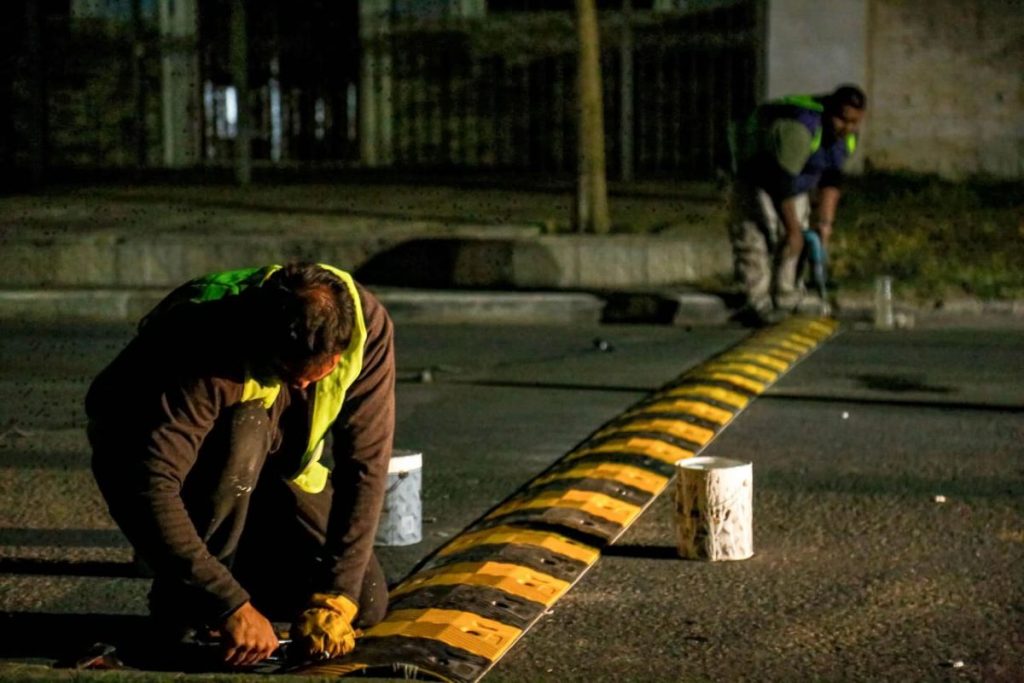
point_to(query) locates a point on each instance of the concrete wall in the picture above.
(814, 46)
(944, 78)
(947, 86)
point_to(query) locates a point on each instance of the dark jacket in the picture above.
(152, 408)
(786, 148)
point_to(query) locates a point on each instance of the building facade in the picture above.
(489, 84)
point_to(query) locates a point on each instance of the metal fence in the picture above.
(500, 93)
(488, 92)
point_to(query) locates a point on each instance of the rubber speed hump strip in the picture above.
(466, 605)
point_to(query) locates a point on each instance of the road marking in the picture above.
(473, 599)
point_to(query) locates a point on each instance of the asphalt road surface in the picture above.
(888, 478)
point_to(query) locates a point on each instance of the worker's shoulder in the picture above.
(791, 130)
(375, 315)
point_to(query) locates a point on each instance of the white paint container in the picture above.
(714, 509)
(401, 519)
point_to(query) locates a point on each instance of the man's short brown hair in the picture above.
(308, 314)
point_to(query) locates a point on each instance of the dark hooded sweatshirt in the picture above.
(152, 408)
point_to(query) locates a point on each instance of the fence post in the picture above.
(239, 51)
(375, 84)
(179, 77)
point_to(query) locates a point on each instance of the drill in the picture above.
(815, 255)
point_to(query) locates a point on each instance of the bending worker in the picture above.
(207, 433)
(787, 149)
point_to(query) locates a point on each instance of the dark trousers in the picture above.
(758, 236)
(268, 531)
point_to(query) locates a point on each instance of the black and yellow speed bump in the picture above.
(468, 603)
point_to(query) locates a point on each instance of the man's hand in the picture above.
(324, 629)
(248, 636)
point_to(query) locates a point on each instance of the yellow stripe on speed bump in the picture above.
(679, 428)
(454, 621)
(597, 504)
(785, 355)
(748, 369)
(510, 578)
(659, 450)
(730, 377)
(504, 535)
(464, 630)
(760, 358)
(625, 474)
(729, 398)
(788, 344)
(704, 411)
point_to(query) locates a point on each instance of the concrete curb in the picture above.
(679, 308)
(435, 306)
(407, 258)
(404, 305)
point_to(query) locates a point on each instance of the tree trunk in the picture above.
(591, 207)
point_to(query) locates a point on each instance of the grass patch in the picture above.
(937, 238)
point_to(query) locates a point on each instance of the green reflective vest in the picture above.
(742, 138)
(811, 104)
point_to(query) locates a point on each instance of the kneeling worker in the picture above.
(207, 432)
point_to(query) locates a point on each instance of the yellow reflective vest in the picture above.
(329, 392)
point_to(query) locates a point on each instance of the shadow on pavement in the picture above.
(443, 263)
(642, 552)
(899, 384)
(63, 637)
(110, 641)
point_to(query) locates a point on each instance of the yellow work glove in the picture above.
(324, 629)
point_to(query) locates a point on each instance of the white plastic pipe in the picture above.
(714, 509)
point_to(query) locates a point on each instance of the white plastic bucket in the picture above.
(401, 520)
(714, 508)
